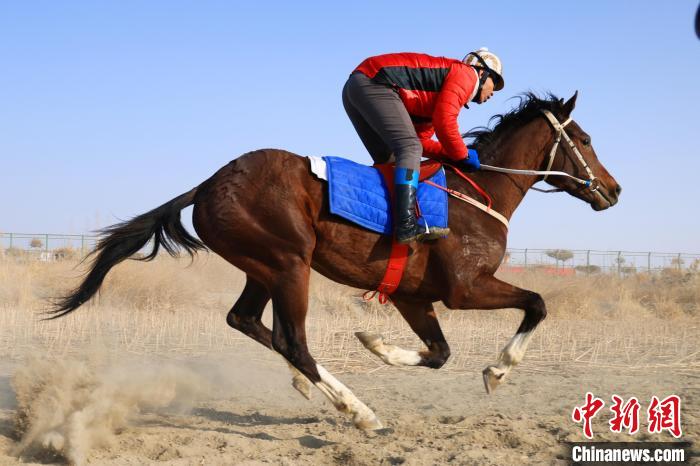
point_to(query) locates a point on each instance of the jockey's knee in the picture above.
(408, 153)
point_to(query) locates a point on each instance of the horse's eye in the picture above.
(587, 141)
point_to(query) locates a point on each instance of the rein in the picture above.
(470, 200)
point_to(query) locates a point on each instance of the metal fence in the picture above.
(50, 247)
(45, 246)
(593, 261)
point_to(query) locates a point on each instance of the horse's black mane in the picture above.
(486, 140)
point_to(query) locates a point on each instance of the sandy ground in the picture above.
(150, 373)
(251, 415)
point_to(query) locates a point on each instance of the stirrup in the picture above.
(433, 234)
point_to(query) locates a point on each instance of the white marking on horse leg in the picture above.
(390, 354)
(511, 355)
(300, 382)
(514, 351)
(345, 401)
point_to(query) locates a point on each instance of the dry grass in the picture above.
(170, 307)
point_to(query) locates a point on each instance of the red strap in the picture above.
(395, 268)
(478, 188)
(393, 274)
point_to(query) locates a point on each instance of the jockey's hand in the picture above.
(470, 163)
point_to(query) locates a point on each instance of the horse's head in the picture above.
(571, 151)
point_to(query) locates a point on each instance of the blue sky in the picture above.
(108, 109)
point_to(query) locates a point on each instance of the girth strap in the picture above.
(393, 274)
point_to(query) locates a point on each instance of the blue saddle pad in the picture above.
(358, 193)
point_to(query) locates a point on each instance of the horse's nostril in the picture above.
(618, 189)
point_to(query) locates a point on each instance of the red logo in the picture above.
(624, 416)
(665, 415)
(587, 412)
(661, 415)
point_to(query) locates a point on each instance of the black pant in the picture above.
(382, 121)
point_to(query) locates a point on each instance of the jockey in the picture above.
(397, 101)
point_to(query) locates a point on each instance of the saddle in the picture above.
(361, 194)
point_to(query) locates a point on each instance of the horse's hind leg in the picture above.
(246, 313)
(420, 315)
(245, 316)
(290, 303)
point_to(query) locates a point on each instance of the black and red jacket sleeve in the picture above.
(431, 148)
(457, 89)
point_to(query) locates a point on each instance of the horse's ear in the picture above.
(570, 104)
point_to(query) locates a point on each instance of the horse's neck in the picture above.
(524, 150)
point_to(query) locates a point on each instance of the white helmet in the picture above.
(488, 61)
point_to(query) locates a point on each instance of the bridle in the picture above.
(591, 183)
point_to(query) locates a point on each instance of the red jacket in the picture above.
(434, 90)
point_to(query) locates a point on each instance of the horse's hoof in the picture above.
(493, 377)
(369, 340)
(302, 385)
(368, 422)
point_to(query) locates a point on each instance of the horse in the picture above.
(268, 215)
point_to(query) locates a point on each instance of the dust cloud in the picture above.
(68, 407)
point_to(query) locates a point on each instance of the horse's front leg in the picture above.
(420, 315)
(492, 293)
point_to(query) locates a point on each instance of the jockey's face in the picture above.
(486, 90)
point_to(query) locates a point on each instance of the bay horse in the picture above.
(268, 215)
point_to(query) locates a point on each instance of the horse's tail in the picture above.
(124, 239)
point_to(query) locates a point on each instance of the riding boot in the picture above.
(405, 187)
